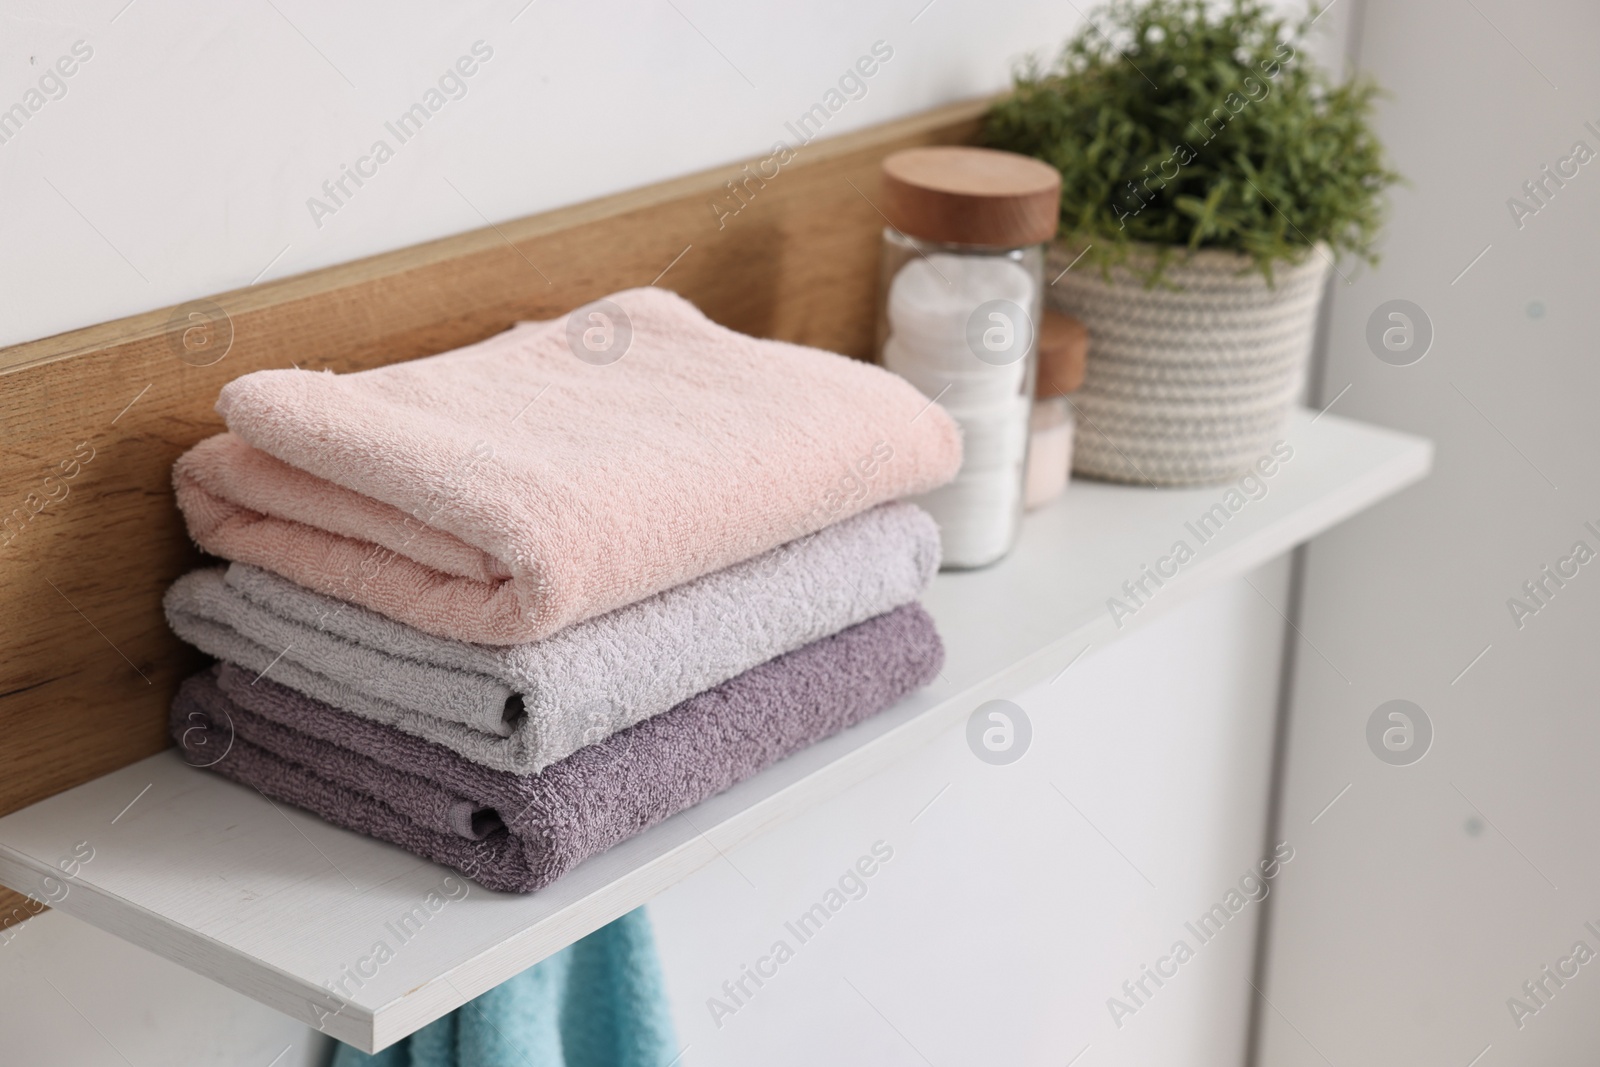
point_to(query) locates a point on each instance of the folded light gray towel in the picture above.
(519, 708)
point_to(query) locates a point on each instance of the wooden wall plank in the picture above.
(92, 420)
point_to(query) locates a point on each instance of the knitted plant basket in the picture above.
(1191, 381)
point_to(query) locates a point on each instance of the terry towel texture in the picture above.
(522, 707)
(518, 833)
(599, 1002)
(505, 490)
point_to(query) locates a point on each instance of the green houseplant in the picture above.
(1211, 174)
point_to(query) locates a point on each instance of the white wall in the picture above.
(1429, 893)
(1005, 921)
(180, 160)
(70, 994)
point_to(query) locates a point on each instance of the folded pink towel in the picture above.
(505, 490)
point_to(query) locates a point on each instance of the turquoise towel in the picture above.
(600, 1002)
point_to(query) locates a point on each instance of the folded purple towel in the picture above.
(518, 833)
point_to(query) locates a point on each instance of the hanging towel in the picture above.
(516, 833)
(505, 490)
(520, 708)
(599, 1002)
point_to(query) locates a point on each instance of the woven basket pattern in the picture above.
(1190, 382)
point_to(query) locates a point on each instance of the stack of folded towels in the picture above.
(505, 607)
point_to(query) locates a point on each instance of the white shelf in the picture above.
(273, 902)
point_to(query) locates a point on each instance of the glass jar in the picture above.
(1049, 450)
(957, 321)
(960, 296)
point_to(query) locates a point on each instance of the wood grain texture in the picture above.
(93, 419)
(971, 196)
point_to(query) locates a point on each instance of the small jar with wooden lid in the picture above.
(960, 306)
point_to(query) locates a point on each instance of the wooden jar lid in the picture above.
(971, 196)
(1063, 355)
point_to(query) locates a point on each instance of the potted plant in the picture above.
(1211, 175)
